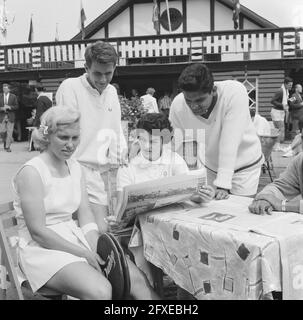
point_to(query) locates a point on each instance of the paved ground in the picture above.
(11, 162)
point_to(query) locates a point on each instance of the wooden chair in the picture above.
(8, 262)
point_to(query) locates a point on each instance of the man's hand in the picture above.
(221, 194)
(260, 207)
(7, 107)
(275, 202)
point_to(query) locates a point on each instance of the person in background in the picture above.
(220, 111)
(30, 121)
(261, 124)
(149, 102)
(295, 147)
(134, 93)
(280, 110)
(8, 107)
(117, 88)
(102, 141)
(296, 108)
(43, 103)
(165, 103)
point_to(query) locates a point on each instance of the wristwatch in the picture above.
(283, 205)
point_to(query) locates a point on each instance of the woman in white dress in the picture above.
(50, 188)
(53, 250)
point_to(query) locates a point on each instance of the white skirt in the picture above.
(39, 264)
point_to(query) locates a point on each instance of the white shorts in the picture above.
(244, 183)
(277, 115)
(95, 186)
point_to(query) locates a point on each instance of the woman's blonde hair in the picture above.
(51, 118)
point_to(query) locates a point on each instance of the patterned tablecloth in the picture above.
(215, 251)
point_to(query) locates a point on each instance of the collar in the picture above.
(88, 86)
(144, 163)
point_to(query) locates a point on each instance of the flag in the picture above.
(236, 13)
(31, 31)
(3, 20)
(57, 33)
(82, 20)
(155, 18)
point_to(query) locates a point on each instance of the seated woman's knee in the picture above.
(100, 290)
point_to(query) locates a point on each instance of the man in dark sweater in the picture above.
(43, 103)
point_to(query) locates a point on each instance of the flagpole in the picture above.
(31, 38)
(168, 16)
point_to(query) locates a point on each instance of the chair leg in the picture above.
(269, 172)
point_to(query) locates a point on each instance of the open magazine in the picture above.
(143, 197)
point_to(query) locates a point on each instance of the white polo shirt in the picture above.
(101, 131)
(141, 170)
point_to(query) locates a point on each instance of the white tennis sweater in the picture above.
(231, 141)
(101, 132)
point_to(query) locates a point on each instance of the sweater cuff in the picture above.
(224, 179)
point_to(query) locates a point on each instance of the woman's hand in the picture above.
(93, 259)
(206, 193)
(221, 194)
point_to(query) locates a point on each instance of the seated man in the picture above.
(285, 193)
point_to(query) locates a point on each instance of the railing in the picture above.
(238, 45)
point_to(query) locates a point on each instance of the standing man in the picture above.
(43, 103)
(220, 110)
(296, 108)
(280, 110)
(102, 139)
(149, 102)
(8, 107)
(165, 103)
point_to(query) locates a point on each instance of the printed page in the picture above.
(147, 196)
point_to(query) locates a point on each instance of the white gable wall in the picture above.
(247, 24)
(198, 19)
(99, 35)
(198, 15)
(143, 20)
(223, 17)
(120, 26)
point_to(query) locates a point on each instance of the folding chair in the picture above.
(8, 262)
(267, 144)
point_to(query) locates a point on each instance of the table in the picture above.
(221, 251)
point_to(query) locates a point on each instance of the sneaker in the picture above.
(8, 149)
(288, 154)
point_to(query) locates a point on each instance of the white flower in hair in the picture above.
(44, 128)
